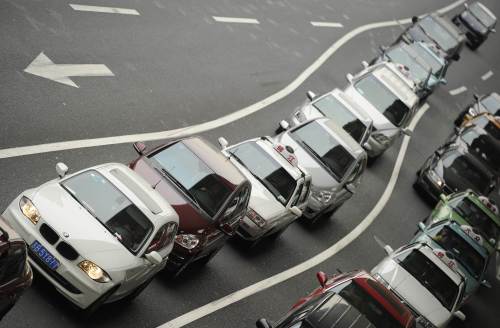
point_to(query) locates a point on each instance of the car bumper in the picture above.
(68, 278)
(315, 208)
(248, 230)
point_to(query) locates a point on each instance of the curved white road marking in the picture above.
(202, 127)
(312, 262)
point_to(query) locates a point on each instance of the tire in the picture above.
(136, 292)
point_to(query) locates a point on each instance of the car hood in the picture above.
(190, 220)
(417, 34)
(320, 178)
(85, 233)
(413, 292)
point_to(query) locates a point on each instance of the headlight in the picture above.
(435, 178)
(29, 210)
(381, 138)
(256, 218)
(322, 196)
(187, 241)
(94, 271)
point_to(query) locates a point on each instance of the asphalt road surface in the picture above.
(173, 66)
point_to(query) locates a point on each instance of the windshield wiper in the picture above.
(164, 172)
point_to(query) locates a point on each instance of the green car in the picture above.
(468, 208)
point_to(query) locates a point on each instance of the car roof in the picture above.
(340, 134)
(454, 149)
(350, 103)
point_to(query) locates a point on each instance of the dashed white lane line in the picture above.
(108, 10)
(315, 260)
(235, 20)
(210, 125)
(458, 91)
(487, 75)
(327, 24)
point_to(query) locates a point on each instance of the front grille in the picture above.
(56, 276)
(49, 234)
(67, 251)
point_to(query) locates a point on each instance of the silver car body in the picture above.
(310, 111)
(276, 213)
(327, 191)
(76, 226)
(384, 133)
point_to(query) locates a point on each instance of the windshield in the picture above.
(438, 33)
(461, 172)
(484, 17)
(476, 217)
(194, 177)
(266, 169)
(382, 99)
(331, 107)
(483, 146)
(492, 104)
(418, 72)
(429, 275)
(325, 148)
(429, 58)
(462, 251)
(110, 207)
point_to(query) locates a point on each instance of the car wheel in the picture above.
(137, 291)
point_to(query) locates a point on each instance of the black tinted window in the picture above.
(463, 173)
(476, 217)
(12, 263)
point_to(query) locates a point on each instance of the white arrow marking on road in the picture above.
(108, 10)
(235, 20)
(44, 67)
(327, 24)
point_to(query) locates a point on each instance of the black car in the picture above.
(480, 144)
(433, 28)
(450, 169)
(477, 22)
(482, 104)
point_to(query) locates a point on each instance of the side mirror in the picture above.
(421, 226)
(350, 187)
(388, 249)
(322, 278)
(414, 19)
(442, 197)
(486, 283)
(311, 95)
(154, 257)
(139, 147)
(61, 169)
(459, 315)
(443, 81)
(296, 211)
(407, 132)
(349, 77)
(284, 125)
(222, 142)
(365, 64)
(263, 323)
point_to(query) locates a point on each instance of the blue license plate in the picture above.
(44, 255)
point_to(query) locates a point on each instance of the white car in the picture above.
(426, 280)
(97, 235)
(339, 107)
(280, 188)
(389, 99)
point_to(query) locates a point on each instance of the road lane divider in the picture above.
(327, 24)
(458, 91)
(210, 125)
(107, 10)
(487, 75)
(237, 20)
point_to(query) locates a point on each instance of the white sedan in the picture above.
(97, 235)
(427, 280)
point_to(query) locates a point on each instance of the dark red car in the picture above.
(207, 191)
(15, 272)
(347, 300)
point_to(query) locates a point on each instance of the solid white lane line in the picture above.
(108, 10)
(202, 127)
(487, 75)
(327, 24)
(312, 262)
(235, 20)
(458, 91)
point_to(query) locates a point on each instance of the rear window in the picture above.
(383, 99)
(325, 148)
(438, 33)
(476, 217)
(110, 207)
(483, 146)
(482, 15)
(429, 275)
(331, 107)
(462, 172)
